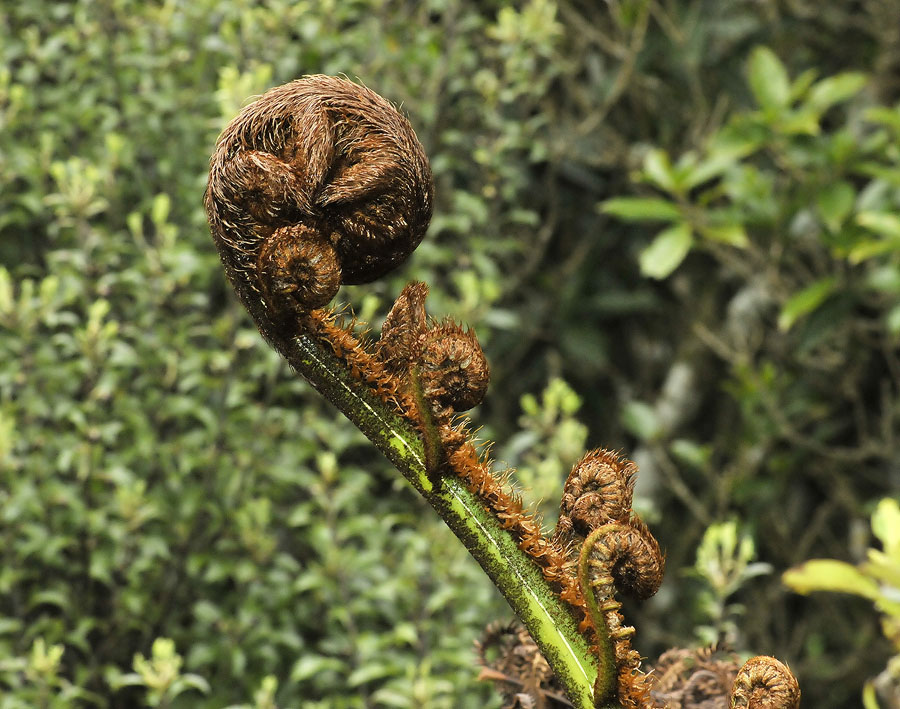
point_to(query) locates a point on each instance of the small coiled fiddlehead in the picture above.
(597, 491)
(443, 369)
(447, 361)
(617, 554)
(765, 683)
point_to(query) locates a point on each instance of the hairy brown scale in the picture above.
(404, 328)
(550, 556)
(318, 182)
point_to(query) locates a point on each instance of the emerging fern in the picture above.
(322, 182)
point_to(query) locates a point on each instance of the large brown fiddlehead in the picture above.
(317, 183)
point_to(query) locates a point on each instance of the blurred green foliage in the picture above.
(876, 579)
(724, 564)
(169, 490)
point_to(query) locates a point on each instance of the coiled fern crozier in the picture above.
(322, 182)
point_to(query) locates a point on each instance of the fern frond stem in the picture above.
(547, 617)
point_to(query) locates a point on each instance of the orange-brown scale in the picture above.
(362, 364)
(550, 556)
(462, 460)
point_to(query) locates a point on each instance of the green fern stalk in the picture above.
(547, 618)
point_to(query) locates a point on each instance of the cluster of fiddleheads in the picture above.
(321, 182)
(615, 553)
(711, 678)
(693, 679)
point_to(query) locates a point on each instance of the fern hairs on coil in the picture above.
(319, 182)
(765, 683)
(446, 361)
(598, 490)
(615, 554)
(455, 373)
(621, 557)
(701, 678)
(631, 558)
(403, 330)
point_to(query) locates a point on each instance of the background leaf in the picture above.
(830, 575)
(805, 302)
(768, 79)
(667, 251)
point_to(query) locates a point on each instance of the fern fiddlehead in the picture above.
(322, 182)
(765, 683)
(318, 183)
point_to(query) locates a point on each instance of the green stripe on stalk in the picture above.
(545, 615)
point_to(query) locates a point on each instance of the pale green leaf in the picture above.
(707, 169)
(835, 89)
(883, 223)
(129, 679)
(187, 682)
(160, 208)
(883, 568)
(310, 665)
(886, 526)
(768, 79)
(641, 420)
(691, 452)
(7, 302)
(805, 301)
(731, 234)
(892, 320)
(885, 279)
(869, 696)
(884, 115)
(835, 202)
(870, 248)
(801, 84)
(370, 672)
(658, 169)
(666, 251)
(830, 575)
(802, 122)
(641, 209)
(891, 175)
